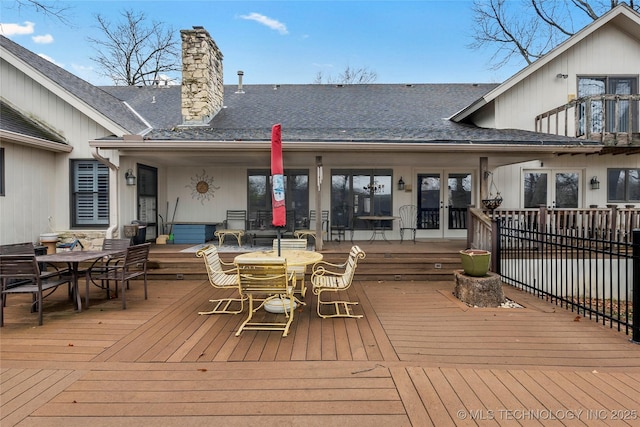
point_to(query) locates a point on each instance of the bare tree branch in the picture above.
(132, 52)
(531, 28)
(348, 77)
(52, 9)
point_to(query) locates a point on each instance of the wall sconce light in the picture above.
(595, 184)
(400, 184)
(130, 177)
(562, 76)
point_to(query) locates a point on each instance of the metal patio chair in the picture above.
(260, 277)
(408, 220)
(328, 277)
(24, 269)
(221, 278)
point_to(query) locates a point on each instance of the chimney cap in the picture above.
(198, 27)
(240, 73)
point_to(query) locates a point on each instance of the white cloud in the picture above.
(265, 20)
(9, 29)
(44, 39)
(50, 59)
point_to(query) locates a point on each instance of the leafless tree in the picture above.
(133, 52)
(531, 28)
(348, 76)
(52, 9)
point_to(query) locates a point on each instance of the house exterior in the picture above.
(202, 148)
(562, 93)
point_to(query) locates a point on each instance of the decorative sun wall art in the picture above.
(202, 187)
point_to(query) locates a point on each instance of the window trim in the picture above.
(101, 177)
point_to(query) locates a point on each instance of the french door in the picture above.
(554, 189)
(443, 198)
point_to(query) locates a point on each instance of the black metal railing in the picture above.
(598, 279)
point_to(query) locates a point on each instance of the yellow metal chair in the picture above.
(328, 277)
(234, 225)
(268, 281)
(299, 270)
(220, 278)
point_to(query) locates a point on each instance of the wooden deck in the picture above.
(418, 357)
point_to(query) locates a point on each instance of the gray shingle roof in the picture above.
(13, 121)
(93, 96)
(326, 113)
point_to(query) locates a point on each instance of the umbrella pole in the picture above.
(279, 235)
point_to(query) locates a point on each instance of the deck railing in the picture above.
(595, 277)
(587, 260)
(606, 117)
(611, 223)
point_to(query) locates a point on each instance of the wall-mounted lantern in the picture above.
(595, 184)
(130, 177)
(400, 184)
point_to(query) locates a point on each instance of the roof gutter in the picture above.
(306, 146)
(44, 144)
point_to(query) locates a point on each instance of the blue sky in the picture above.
(282, 42)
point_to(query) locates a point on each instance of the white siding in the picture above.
(44, 174)
(606, 52)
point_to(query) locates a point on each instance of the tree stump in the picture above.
(483, 291)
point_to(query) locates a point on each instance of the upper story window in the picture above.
(623, 185)
(618, 115)
(89, 193)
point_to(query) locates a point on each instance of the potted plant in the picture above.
(475, 262)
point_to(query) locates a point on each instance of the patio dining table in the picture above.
(294, 257)
(73, 260)
(376, 224)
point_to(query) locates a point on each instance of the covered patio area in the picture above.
(418, 357)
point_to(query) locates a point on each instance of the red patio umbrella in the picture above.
(279, 210)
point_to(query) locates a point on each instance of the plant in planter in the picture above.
(475, 262)
(493, 202)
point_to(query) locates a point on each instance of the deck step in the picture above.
(376, 266)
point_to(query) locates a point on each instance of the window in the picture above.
(2, 169)
(90, 193)
(623, 185)
(557, 189)
(296, 196)
(358, 193)
(617, 117)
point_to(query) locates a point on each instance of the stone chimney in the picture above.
(202, 84)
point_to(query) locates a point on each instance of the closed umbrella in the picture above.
(279, 210)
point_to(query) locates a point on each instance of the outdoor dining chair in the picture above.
(328, 277)
(267, 281)
(220, 278)
(298, 270)
(408, 220)
(20, 274)
(103, 264)
(132, 266)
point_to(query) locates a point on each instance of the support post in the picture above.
(319, 173)
(635, 337)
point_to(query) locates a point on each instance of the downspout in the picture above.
(113, 194)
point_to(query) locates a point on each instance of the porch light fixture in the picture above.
(595, 184)
(400, 184)
(130, 177)
(561, 76)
